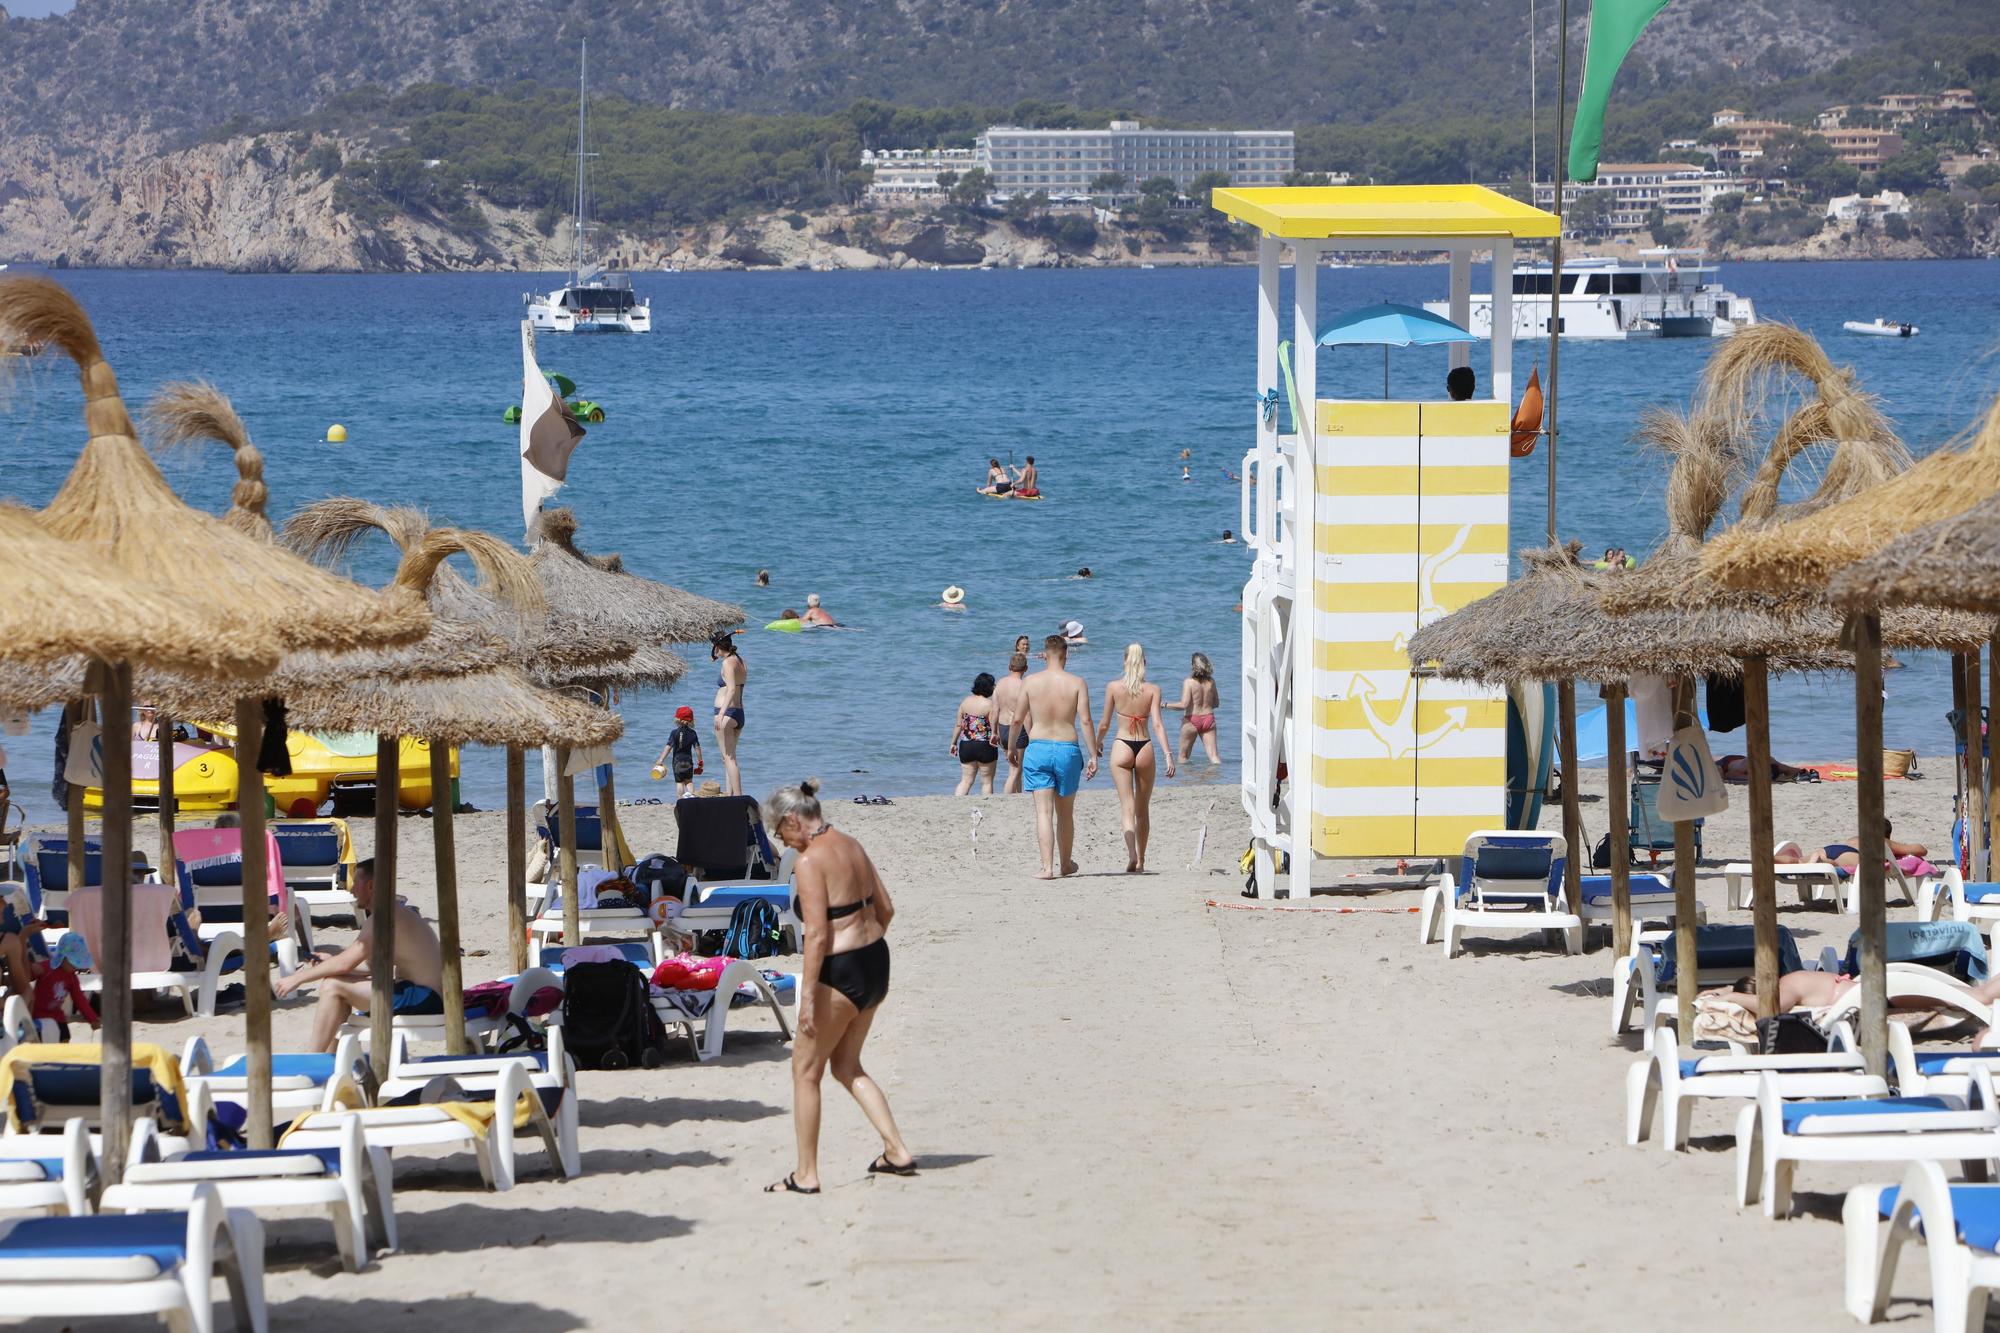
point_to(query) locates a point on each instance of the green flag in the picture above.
(1614, 26)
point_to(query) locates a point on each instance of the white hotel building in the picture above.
(1680, 190)
(1065, 162)
(912, 173)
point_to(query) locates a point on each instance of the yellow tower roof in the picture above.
(1326, 212)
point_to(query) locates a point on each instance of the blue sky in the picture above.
(35, 9)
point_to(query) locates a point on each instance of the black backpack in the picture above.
(753, 930)
(608, 1018)
(659, 876)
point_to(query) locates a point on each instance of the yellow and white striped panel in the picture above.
(1407, 527)
(1462, 509)
(1369, 551)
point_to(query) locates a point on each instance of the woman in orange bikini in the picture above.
(1136, 706)
(1199, 700)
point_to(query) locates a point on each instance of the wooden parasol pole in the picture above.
(114, 691)
(1975, 812)
(447, 898)
(256, 919)
(1686, 963)
(168, 801)
(566, 830)
(1979, 741)
(1866, 632)
(1763, 844)
(1964, 848)
(1572, 800)
(1617, 797)
(517, 859)
(382, 920)
(612, 835)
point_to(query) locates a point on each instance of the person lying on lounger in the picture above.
(1843, 854)
(1796, 990)
(1736, 768)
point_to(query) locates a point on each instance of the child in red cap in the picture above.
(684, 750)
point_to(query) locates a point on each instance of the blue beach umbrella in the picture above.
(1390, 325)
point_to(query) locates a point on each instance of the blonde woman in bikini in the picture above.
(1134, 705)
(1199, 700)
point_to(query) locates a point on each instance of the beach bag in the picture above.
(659, 876)
(1690, 785)
(608, 1018)
(1790, 1034)
(753, 930)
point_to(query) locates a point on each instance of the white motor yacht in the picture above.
(1665, 293)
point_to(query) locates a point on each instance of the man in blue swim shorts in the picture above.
(1053, 766)
(344, 984)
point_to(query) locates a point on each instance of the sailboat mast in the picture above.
(577, 250)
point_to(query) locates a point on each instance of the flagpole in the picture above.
(1556, 261)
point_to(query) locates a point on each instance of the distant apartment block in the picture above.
(912, 173)
(1864, 148)
(1065, 162)
(1684, 193)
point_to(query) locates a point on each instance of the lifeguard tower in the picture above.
(1375, 517)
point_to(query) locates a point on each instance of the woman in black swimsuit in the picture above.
(1135, 703)
(844, 907)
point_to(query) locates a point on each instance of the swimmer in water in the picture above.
(1185, 474)
(1228, 537)
(763, 578)
(1083, 573)
(815, 613)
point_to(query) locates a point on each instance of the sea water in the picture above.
(832, 428)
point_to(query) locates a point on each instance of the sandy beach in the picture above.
(1133, 1098)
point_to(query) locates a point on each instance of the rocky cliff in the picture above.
(258, 205)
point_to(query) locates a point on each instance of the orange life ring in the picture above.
(583, 314)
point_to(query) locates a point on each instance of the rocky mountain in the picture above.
(166, 67)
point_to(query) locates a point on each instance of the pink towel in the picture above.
(151, 905)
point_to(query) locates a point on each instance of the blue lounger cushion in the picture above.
(1934, 1064)
(50, 1167)
(1795, 1112)
(540, 1059)
(328, 1157)
(1975, 1207)
(1597, 888)
(318, 1068)
(1982, 893)
(161, 1237)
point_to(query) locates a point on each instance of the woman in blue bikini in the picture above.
(729, 678)
(845, 910)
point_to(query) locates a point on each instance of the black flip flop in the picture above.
(882, 1166)
(790, 1185)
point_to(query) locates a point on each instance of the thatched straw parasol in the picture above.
(116, 502)
(1804, 554)
(595, 596)
(1954, 562)
(62, 599)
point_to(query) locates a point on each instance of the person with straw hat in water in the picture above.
(954, 599)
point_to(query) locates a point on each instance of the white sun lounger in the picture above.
(495, 1150)
(39, 1175)
(159, 1264)
(299, 1082)
(1812, 880)
(1946, 1072)
(1916, 982)
(1511, 882)
(1773, 1136)
(349, 1184)
(708, 1011)
(1966, 902)
(1960, 1225)
(549, 1068)
(1668, 1082)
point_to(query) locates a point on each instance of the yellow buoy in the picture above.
(336, 434)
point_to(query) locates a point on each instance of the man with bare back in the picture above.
(344, 984)
(1052, 767)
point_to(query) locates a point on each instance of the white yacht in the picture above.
(593, 301)
(1665, 293)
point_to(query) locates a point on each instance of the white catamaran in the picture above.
(1665, 293)
(593, 301)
